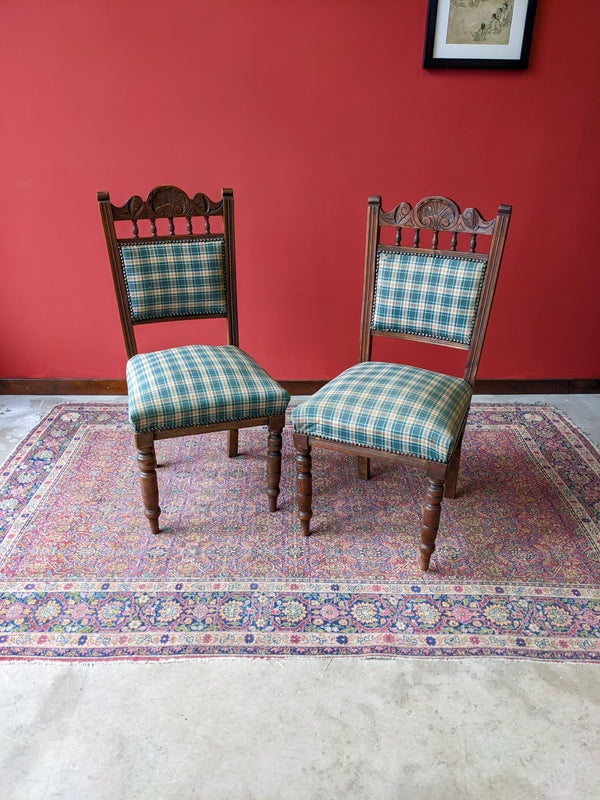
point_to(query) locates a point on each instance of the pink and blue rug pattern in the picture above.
(516, 573)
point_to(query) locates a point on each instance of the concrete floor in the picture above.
(298, 728)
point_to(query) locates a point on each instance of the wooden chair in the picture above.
(182, 274)
(420, 292)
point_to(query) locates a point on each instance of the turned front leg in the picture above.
(431, 519)
(274, 460)
(146, 461)
(303, 481)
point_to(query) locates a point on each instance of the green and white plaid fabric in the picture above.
(392, 407)
(427, 295)
(166, 279)
(199, 385)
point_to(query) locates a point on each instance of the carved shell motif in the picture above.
(168, 201)
(437, 213)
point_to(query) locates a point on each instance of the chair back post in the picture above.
(107, 217)
(487, 294)
(230, 277)
(372, 241)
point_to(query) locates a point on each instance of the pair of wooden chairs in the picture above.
(426, 290)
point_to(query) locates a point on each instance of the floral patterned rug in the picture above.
(516, 573)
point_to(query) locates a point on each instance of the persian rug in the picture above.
(516, 573)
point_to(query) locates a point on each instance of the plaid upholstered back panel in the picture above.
(172, 279)
(427, 295)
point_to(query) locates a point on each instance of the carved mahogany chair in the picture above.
(417, 291)
(181, 274)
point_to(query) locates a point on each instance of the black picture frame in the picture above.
(439, 53)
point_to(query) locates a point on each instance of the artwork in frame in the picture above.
(478, 34)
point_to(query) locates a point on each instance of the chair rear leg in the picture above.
(146, 460)
(364, 468)
(303, 481)
(452, 472)
(431, 519)
(276, 425)
(232, 442)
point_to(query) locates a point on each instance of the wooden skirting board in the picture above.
(65, 386)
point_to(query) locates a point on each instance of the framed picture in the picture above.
(478, 34)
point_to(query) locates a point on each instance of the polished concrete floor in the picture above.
(223, 729)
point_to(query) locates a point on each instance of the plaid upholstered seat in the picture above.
(199, 385)
(391, 407)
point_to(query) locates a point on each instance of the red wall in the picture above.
(304, 108)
